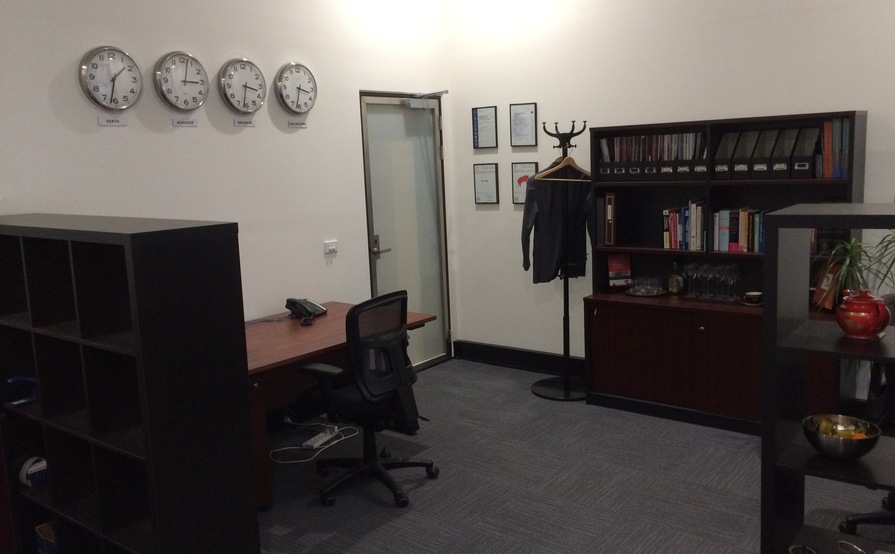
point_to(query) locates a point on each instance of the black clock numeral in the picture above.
(94, 65)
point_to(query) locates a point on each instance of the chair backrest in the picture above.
(377, 342)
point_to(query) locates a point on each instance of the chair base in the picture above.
(378, 469)
(850, 525)
(373, 464)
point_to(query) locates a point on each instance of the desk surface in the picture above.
(277, 340)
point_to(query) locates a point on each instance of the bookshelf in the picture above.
(710, 368)
(792, 337)
(134, 331)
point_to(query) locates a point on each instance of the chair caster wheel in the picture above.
(385, 452)
(848, 527)
(401, 500)
(328, 500)
(433, 472)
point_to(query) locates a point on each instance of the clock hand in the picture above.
(244, 92)
(250, 88)
(185, 68)
(114, 77)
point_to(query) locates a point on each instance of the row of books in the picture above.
(797, 153)
(673, 156)
(641, 148)
(689, 227)
(792, 153)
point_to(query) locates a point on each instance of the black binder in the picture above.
(781, 157)
(742, 155)
(721, 168)
(761, 157)
(803, 161)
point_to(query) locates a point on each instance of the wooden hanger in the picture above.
(567, 161)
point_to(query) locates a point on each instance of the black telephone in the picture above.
(304, 309)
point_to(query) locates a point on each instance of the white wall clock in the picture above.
(242, 86)
(296, 88)
(110, 78)
(181, 81)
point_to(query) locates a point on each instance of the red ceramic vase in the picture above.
(861, 315)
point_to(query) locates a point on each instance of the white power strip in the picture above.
(319, 439)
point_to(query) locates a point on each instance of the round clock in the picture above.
(296, 88)
(110, 78)
(242, 86)
(181, 81)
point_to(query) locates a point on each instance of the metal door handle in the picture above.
(374, 248)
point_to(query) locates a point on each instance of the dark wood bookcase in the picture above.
(134, 331)
(700, 359)
(792, 337)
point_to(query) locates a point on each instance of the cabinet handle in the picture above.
(701, 329)
(256, 385)
(595, 312)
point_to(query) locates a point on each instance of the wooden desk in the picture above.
(276, 347)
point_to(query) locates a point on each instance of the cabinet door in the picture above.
(730, 364)
(642, 353)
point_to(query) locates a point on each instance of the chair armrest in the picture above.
(324, 370)
(326, 375)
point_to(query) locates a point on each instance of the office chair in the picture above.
(880, 409)
(379, 394)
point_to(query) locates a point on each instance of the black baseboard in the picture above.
(529, 360)
(674, 413)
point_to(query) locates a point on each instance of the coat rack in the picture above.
(564, 387)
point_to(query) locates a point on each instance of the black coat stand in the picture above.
(564, 387)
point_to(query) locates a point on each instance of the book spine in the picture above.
(723, 243)
(734, 232)
(610, 219)
(666, 229)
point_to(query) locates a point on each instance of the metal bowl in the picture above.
(830, 435)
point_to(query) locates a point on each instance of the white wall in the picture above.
(289, 190)
(607, 62)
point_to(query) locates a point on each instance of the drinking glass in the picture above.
(690, 275)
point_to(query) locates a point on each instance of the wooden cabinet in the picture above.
(792, 338)
(134, 331)
(640, 349)
(677, 356)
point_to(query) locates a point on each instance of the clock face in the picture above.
(181, 81)
(242, 86)
(296, 88)
(110, 78)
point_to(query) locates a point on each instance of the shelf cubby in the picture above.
(101, 285)
(13, 296)
(51, 291)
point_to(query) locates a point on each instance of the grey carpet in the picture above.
(524, 474)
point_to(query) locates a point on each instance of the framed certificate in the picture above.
(521, 172)
(484, 127)
(485, 177)
(523, 124)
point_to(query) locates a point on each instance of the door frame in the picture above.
(412, 101)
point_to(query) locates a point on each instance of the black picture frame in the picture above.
(485, 182)
(521, 172)
(523, 124)
(484, 127)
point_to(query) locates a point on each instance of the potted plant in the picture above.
(853, 265)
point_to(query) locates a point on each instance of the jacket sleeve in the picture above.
(529, 216)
